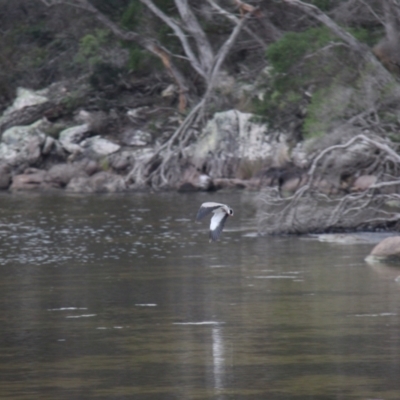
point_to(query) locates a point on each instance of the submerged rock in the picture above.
(388, 249)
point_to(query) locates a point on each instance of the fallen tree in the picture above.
(318, 207)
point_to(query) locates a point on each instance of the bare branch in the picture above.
(371, 10)
(358, 47)
(310, 210)
(236, 21)
(192, 25)
(180, 34)
(149, 44)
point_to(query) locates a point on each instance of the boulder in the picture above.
(60, 175)
(101, 182)
(229, 140)
(135, 137)
(96, 120)
(122, 160)
(70, 138)
(21, 146)
(193, 181)
(363, 182)
(31, 179)
(89, 167)
(79, 184)
(26, 98)
(106, 182)
(388, 249)
(97, 147)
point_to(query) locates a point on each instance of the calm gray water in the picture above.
(122, 297)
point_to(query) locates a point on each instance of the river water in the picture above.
(123, 297)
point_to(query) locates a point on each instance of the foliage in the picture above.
(367, 36)
(293, 46)
(104, 75)
(132, 15)
(37, 33)
(324, 5)
(90, 47)
(135, 18)
(311, 63)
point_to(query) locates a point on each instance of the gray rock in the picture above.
(387, 249)
(61, 174)
(97, 147)
(136, 137)
(48, 145)
(90, 167)
(79, 184)
(106, 182)
(101, 182)
(96, 120)
(229, 139)
(122, 160)
(363, 182)
(27, 98)
(71, 137)
(193, 180)
(21, 145)
(32, 179)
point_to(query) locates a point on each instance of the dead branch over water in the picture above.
(313, 209)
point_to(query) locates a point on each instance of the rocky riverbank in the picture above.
(79, 154)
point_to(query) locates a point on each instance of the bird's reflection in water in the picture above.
(218, 358)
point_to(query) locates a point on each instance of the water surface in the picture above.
(123, 297)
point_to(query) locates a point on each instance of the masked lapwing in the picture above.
(220, 214)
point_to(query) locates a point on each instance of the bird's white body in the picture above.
(220, 213)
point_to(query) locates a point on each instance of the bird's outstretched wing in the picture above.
(217, 224)
(207, 208)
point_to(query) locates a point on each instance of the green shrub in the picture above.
(132, 15)
(367, 36)
(293, 46)
(324, 5)
(304, 63)
(90, 47)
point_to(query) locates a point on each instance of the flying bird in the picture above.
(220, 214)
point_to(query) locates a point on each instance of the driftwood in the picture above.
(312, 209)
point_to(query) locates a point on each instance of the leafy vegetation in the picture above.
(308, 77)
(291, 49)
(90, 47)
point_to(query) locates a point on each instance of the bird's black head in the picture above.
(230, 212)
